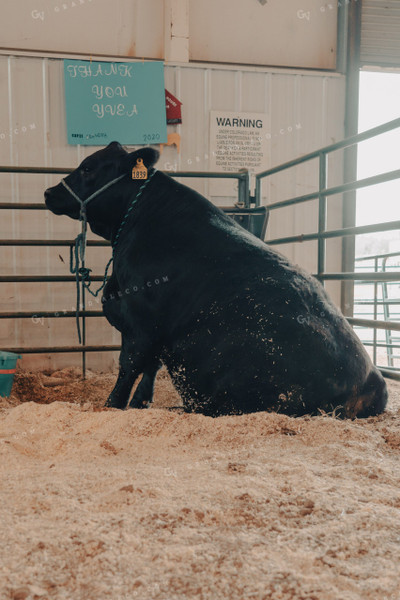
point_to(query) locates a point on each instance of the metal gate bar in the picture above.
(386, 304)
(242, 177)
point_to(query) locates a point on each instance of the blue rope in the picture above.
(74, 261)
(77, 252)
(124, 220)
(86, 279)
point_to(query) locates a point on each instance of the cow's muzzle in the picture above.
(59, 205)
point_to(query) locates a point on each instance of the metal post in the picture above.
(83, 328)
(322, 213)
(244, 189)
(258, 191)
(386, 312)
(342, 24)
(350, 154)
(375, 312)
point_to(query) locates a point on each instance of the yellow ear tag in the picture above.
(139, 171)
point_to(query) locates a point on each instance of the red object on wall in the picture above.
(173, 106)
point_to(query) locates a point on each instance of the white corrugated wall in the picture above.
(305, 111)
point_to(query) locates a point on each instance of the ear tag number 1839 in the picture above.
(139, 171)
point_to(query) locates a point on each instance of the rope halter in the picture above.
(84, 203)
(77, 252)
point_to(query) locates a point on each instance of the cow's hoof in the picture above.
(114, 403)
(139, 403)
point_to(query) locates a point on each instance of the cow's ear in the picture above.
(115, 146)
(148, 155)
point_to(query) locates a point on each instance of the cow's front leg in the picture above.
(143, 396)
(130, 366)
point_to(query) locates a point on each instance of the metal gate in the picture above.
(323, 194)
(254, 217)
(380, 300)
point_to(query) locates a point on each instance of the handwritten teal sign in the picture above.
(124, 102)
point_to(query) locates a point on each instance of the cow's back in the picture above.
(240, 328)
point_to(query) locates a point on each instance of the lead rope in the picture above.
(77, 251)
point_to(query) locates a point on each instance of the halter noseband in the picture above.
(84, 203)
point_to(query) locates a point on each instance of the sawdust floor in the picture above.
(103, 504)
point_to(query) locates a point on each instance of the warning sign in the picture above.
(238, 141)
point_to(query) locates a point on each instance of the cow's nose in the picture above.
(48, 198)
(47, 195)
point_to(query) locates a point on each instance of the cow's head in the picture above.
(95, 172)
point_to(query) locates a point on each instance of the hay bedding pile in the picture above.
(111, 505)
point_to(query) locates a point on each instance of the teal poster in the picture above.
(123, 102)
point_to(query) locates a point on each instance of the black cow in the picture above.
(239, 328)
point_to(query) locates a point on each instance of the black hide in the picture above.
(239, 328)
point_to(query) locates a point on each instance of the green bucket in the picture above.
(8, 362)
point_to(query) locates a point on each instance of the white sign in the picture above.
(238, 141)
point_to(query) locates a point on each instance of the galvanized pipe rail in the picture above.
(389, 325)
(350, 141)
(322, 194)
(242, 177)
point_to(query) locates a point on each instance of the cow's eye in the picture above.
(86, 169)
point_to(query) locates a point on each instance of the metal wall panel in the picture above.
(259, 33)
(306, 111)
(131, 28)
(380, 33)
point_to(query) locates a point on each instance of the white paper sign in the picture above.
(238, 141)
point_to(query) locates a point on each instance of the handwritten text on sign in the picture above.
(115, 101)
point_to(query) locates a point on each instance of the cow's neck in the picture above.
(127, 205)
